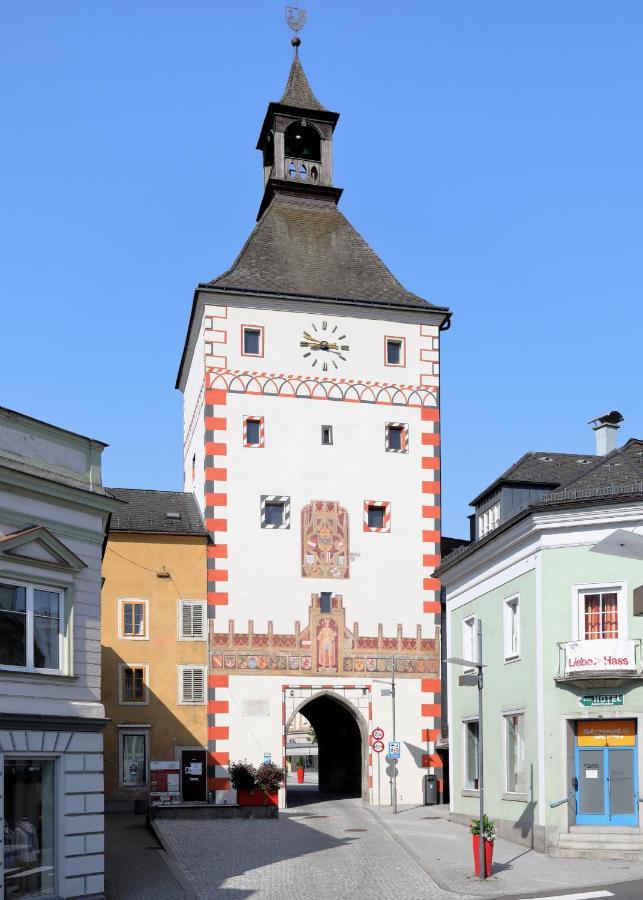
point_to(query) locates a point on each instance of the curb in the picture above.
(173, 866)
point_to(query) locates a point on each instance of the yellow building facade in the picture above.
(154, 648)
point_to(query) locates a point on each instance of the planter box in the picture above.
(488, 856)
(256, 798)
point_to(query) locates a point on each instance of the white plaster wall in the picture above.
(193, 425)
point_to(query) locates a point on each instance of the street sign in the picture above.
(602, 700)
(378, 746)
(393, 750)
(386, 692)
(468, 680)
(377, 734)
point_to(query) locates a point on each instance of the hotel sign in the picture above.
(599, 656)
(602, 700)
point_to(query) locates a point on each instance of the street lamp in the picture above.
(472, 680)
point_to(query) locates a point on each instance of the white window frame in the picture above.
(507, 618)
(465, 745)
(469, 627)
(143, 730)
(179, 620)
(120, 613)
(146, 683)
(179, 672)
(489, 519)
(506, 715)
(619, 588)
(30, 587)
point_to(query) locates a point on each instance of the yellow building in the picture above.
(154, 647)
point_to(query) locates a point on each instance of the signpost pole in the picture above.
(379, 767)
(394, 738)
(483, 872)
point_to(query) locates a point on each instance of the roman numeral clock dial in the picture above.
(323, 346)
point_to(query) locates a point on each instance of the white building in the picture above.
(310, 378)
(53, 513)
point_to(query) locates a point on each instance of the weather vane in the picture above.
(296, 18)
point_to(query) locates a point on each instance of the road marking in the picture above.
(589, 896)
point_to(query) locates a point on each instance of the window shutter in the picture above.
(186, 619)
(197, 620)
(192, 619)
(192, 685)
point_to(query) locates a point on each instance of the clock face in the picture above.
(323, 346)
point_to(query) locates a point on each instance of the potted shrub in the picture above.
(300, 770)
(243, 779)
(489, 836)
(269, 779)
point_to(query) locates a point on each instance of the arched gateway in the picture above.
(342, 740)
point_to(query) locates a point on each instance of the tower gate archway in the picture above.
(341, 718)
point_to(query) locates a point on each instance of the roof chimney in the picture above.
(605, 428)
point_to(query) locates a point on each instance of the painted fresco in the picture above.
(324, 540)
(324, 646)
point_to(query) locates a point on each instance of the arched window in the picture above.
(302, 142)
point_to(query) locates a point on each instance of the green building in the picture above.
(554, 577)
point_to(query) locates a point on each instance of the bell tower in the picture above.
(296, 141)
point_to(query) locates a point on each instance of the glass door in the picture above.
(607, 788)
(622, 790)
(591, 806)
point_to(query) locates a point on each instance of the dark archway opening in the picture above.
(340, 749)
(303, 142)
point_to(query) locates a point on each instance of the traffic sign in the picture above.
(393, 750)
(378, 746)
(378, 734)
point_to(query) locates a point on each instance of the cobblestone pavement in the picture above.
(323, 851)
(136, 865)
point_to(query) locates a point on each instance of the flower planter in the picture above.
(300, 775)
(257, 798)
(488, 855)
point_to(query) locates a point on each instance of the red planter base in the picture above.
(488, 856)
(256, 798)
(300, 776)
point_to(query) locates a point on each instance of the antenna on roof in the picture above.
(296, 19)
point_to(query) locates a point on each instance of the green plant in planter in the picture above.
(243, 775)
(488, 828)
(269, 777)
(300, 764)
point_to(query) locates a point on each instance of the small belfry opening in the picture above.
(338, 750)
(302, 141)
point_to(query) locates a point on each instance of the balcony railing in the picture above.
(307, 171)
(604, 659)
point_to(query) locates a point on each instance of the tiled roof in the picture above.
(620, 468)
(298, 92)
(305, 246)
(157, 512)
(542, 467)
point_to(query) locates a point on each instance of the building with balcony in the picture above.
(556, 586)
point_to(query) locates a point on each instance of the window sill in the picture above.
(29, 674)
(192, 640)
(519, 798)
(467, 792)
(511, 659)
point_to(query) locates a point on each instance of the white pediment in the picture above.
(37, 545)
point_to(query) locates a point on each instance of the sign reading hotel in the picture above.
(599, 656)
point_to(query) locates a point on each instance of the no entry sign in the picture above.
(378, 734)
(378, 746)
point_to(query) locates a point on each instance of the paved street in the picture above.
(321, 851)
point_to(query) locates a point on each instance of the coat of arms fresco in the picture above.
(324, 540)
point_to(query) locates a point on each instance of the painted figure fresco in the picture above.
(327, 644)
(324, 540)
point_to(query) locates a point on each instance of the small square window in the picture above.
(275, 511)
(394, 351)
(397, 437)
(327, 435)
(377, 515)
(253, 431)
(251, 340)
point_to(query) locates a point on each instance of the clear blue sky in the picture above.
(490, 151)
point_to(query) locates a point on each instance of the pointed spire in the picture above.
(298, 92)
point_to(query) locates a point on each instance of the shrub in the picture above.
(270, 777)
(243, 775)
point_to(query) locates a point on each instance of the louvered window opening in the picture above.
(192, 620)
(192, 686)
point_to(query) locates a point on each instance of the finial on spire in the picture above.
(296, 42)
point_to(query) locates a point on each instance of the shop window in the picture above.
(515, 753)
(252, 340)
(394, 351)
(133, 684)
(192, 680)
(29, 828)
(192, 620)
(31, 633)
(133, 752)
(471, 771)
(377, 515)
(275, 511)
(397, 437)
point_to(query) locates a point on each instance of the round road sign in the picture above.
(378, 734)
(378, 746)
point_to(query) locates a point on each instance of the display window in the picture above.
(29, 829)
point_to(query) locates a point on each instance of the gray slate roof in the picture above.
(298, 91)
(622, 468)
(542, 467)
(146, 512)
(305, 246)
